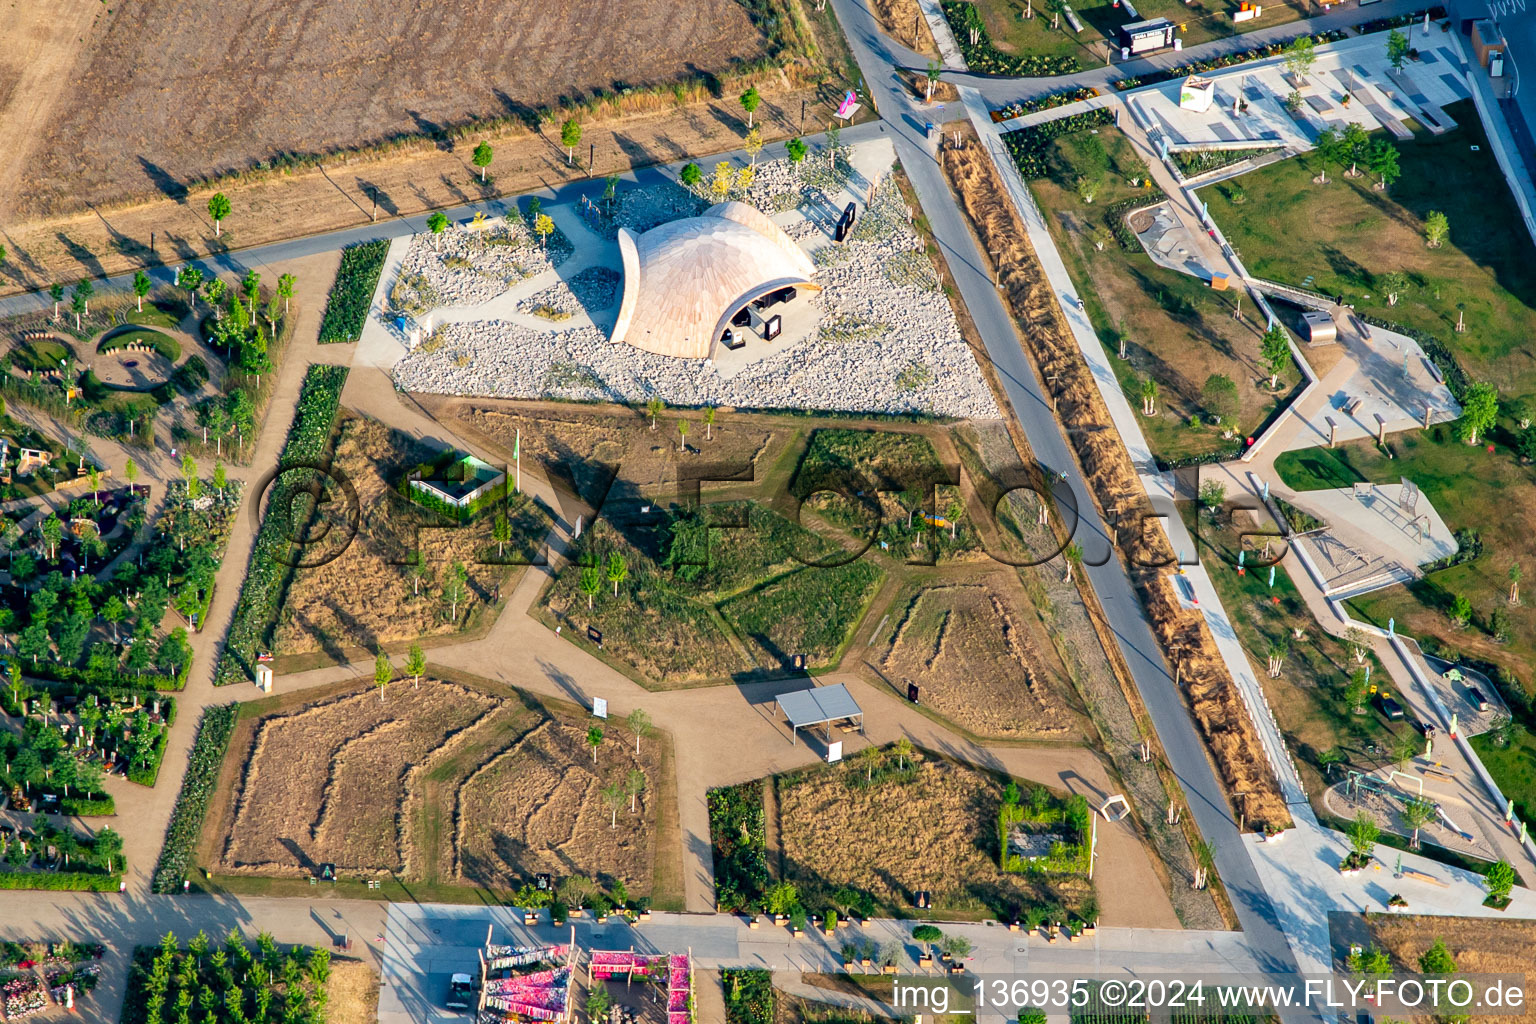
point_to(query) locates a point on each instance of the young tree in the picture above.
(107, 846)
(455, 589)
(570, 138)
(1437, 959)
(1371, 961)
(56, 293)
(1299, 58)
(1088, 186)
(482, 158)
(1500, 879)
(634, 782)
(383, 673)
(692, 174)
(190, 279)
(112, 612)
(1397, 49)
(640, 724)
(709, 423)
(1354, 146)
(52, 531)
(1461, 611)
(617, 571)
(932, 76)
(1327, 146)
(141, 287)
(1220, 396)
(1275, 348)
(544, 226)
(613, 795)
(1073, 553)
(220, 477)
(1212, 494)
(285, 283)
(218, 209)
(750, 100)
(1149, 397)
(1437, 228)
(130, 472)
(1381, 160)
(795, 149)
(1362, 832)
(595, 740)
(437, 223)
(720, 184)
(415, 665)
(653, 408)
(1479, 411)
(1514, 575)
(1357, 690)
(682, 435)
(591, 582)
(1394, 283)
(753, 144)
(1417, 813)
(903, 751)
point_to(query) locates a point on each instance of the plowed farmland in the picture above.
(165, 93)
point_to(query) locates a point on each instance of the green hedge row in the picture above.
(72, 881)
(266, 577)
(83, 807)
(1027, 146)
(346, 310)
(197, 786)
(84, 680)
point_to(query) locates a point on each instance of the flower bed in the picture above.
(984, 58)
(24, 997)
(1027, 146)
(1048, 102)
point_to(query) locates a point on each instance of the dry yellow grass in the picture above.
(367, 595)
(353, 993)
(936, 832)
(1480, 946)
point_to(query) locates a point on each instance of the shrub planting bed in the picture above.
(346, 310)
(203, 763)
(271, 561)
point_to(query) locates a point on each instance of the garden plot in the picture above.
(369, 593)
(540, 806)
(882, 341)
(324, 783)
(980, 660)
(932, 826)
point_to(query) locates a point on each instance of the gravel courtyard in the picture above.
(884, 340)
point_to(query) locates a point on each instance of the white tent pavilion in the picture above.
(820, 705)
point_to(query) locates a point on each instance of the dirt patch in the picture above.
(1480, 945)
(970, 649)
(352, 993)
(584, 453)
(325, 783)
(369, 594)
(1217, 706)
(539, 806)
(903, 21)
(935, 830)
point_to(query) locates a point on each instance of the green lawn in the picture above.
(1472, 490)
(1203, 20)
(1513, 767)
(161, 342)
(40, 355)
(1344, 236)
(1180, 333)
(1308, 698)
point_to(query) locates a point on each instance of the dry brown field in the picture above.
(446, 784)
(366, 595)
(1479, 944)
(936, 831)
(352, 993)
(980, 658)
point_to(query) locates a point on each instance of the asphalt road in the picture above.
(1111, 583)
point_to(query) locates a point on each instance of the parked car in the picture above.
(1391, 708)
(1476, 697)
(461, 993)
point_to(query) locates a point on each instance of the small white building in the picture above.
(1197, 94)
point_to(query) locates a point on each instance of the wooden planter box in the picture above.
(752, 923)
(925, 961)
(889, 969)
(866, 963)
(531, 918)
